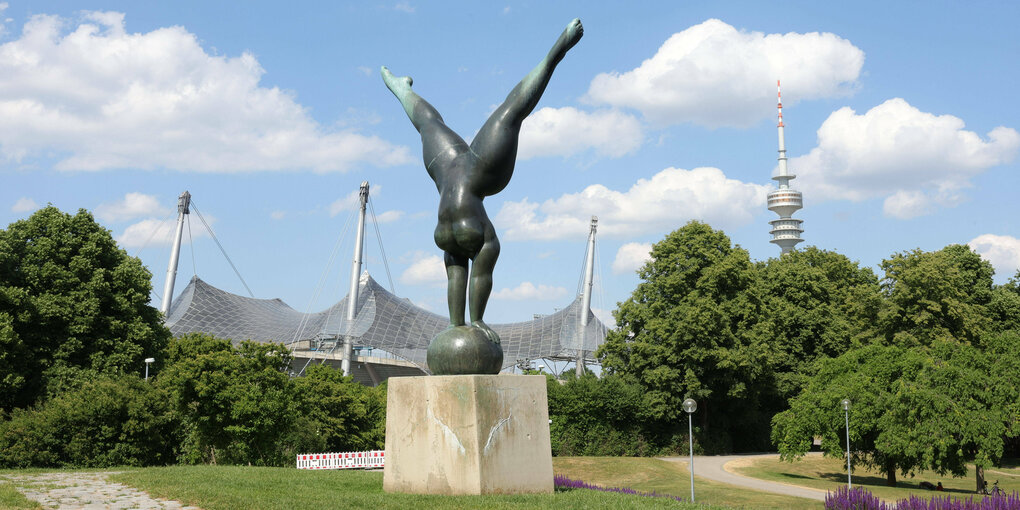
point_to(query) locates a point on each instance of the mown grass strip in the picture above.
(664, 477)
(241, 488)
(830, 473)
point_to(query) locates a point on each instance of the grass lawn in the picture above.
(239, 488)
(830, 473)
(11, 499)
(661, 476)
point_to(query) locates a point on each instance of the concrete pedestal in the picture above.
(468, 434)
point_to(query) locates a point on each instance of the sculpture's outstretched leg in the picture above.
(456, 287)
(481, 280)
(437, 139)
(496, 143)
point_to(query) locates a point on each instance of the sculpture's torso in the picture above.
(463, 183)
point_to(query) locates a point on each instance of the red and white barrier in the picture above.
(346, 460)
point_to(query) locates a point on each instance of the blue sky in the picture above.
(901, 120)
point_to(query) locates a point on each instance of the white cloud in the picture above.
(631, 257)
(907, 204)
(104, 98)
(568, 131)
(1002, 251)
(389, 216)
(665, 202)
(152, 231)
(278, 215)
(24, 204)
(428, 269)
(404, 7)
(715, 75)
(528, 291)
(915, 159)
(133, 206)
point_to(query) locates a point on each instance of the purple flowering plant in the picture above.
(860, 499)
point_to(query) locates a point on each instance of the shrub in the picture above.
(108, 421)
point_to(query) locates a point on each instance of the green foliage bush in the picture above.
(603, 416)
(107, 421)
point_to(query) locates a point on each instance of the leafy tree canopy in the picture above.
(816, 304)
(235, 403)
(936, 295)
(70, 301)
(683, 332)
(923, 407)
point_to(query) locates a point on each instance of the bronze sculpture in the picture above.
(464, 175)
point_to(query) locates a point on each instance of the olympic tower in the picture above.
(784, 201)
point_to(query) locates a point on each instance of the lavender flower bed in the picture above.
(1006, 502)
(853, 499)
(562, 482)
(860, 499)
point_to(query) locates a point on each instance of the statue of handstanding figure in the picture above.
(464, 175)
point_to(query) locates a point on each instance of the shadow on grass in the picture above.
(858, 479)
(878, 481)
(794, 476)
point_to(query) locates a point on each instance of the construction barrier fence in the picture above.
(345, 460)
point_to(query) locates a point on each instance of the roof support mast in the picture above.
(589, 273)
(352, 296)
(183, 204)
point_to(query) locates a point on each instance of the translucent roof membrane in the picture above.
(383, 321)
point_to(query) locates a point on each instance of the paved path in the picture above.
(720, 469)
(74, 491)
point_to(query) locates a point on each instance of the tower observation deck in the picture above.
(784, 201)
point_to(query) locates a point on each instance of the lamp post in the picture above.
(147, 361)
(690, 406)
(846, 409)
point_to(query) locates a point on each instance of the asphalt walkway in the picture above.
(719, 468)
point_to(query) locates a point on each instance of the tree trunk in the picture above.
(979, 473)
(890, 473)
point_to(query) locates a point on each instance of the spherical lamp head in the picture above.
(690, 405)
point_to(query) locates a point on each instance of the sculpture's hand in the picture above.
(489, 333)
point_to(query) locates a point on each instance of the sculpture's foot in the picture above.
(399, 85)
(568, 38)
(489, 333)
(464, 350)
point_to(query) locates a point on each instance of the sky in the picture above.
(901, 122)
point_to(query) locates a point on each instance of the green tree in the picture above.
(817, 304)
(235, 403)
(684, 332)
(344, 415)
(70, 302)
(917, 408)
(936, 295)
(1004, 305)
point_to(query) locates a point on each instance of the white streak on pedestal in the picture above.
(492, 432)
(448, 433)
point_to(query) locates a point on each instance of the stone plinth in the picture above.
(468, 434)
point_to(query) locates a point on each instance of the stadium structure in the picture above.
(371, 334)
